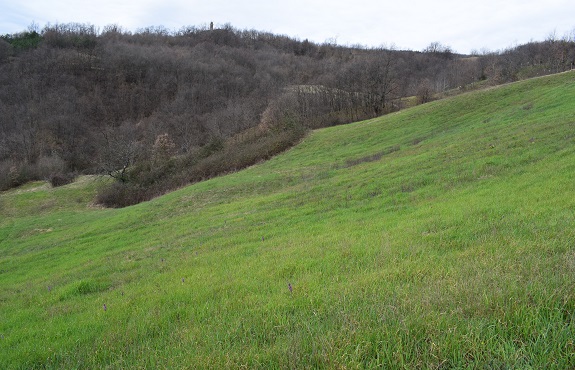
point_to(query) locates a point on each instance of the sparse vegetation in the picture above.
(437, 237)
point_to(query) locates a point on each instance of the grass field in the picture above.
(442, 236)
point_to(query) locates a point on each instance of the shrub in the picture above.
(120, 194)
(163, 149)
(13, 174)
(150, 179)
(61, 179)
(424, 92)
(50, 165)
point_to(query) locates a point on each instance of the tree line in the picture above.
(157, 109)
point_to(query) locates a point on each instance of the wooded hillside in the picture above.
(158, 109)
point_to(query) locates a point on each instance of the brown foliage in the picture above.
(134, 104)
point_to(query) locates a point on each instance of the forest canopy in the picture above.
(157, 109)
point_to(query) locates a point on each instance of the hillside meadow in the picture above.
(441, 236)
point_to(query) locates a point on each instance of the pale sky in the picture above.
(405, 24)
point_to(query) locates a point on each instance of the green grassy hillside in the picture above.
(442, 236)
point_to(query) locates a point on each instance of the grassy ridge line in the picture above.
(454, 250)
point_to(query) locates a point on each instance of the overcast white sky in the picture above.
(406, 24)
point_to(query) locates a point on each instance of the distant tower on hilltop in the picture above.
(211, 26)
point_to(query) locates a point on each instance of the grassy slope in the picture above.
(439, 236)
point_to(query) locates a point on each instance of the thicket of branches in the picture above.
(158, 109)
